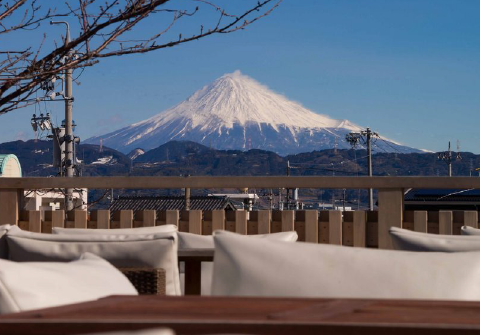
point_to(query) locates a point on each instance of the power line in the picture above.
(388, 143)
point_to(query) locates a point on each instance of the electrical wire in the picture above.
(391, 146)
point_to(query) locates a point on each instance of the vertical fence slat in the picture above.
(241, 222)
(420, 219)
(288, 220)
(126, 219)
(335, 227)
(35, 221)
(58, 219)
(445, 223)
(80, 219)
(359, 229)
(149, 218)
(264, 219)
(218, 220)
(311, 226)
(9, 206)
(103, 219)
(390, 214)
(195, 222)
(471, 219)
(172, 217)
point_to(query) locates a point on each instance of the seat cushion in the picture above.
(195, 241)
(124, 231)
(467, 230)
(26, 286)
(3, 242)
(252, 267)
(129, 250)
(408, 240)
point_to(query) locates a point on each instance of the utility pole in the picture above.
(447, 157)
(288, 190)
(333, 191)
(368, 133)
(69, 138)
(366, 137)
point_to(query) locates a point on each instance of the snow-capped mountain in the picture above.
(237, 112)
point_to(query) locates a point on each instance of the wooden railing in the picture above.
(352, 228)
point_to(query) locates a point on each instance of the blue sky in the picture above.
(409, 69)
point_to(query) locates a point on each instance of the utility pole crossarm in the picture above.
(366, 136)
(448, 157)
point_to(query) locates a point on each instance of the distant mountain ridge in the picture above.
(189, 158)
(238, 113)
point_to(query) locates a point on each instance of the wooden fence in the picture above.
(352, 228)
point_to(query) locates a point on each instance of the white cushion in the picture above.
(467, 230)
(195, 241)
(408, 240)
(129, 250)
(251, 267)
(3, 243)
(123, 231)
(26, 286)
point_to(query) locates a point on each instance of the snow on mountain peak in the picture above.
(236, 98)
(236, 112)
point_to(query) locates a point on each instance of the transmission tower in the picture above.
(449, 156)
(366, 137)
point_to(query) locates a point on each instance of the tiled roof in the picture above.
(443, 195)
(204, 203)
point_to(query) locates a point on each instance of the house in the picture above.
(39, 199)
(163, 203)
(442, 199)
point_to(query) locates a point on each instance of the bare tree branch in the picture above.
(105, 31)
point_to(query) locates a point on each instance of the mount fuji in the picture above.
(237, 112)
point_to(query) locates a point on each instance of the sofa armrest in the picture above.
(147, 280)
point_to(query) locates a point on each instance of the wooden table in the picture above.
(193, 259)
(210, 315)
